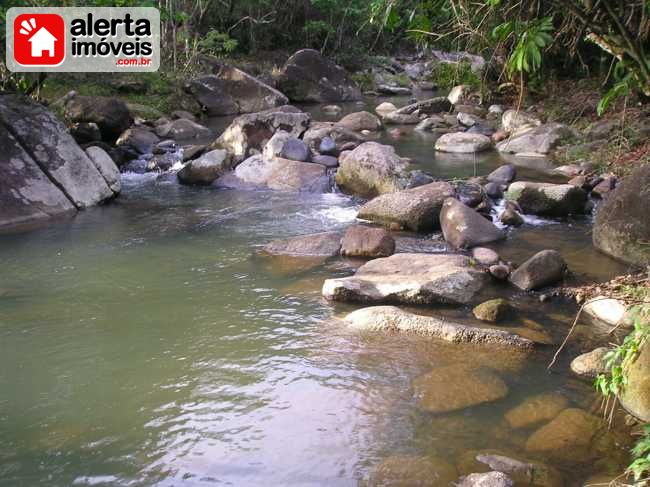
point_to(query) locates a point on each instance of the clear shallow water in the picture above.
(146, 343)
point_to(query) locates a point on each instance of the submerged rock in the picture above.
(232, 91)
(488, 479)
(492, 311)
(463, 227)
(249, 133)
(524, 472)
(536, 409)
(547, 199)
(410, 279)
(391, 318)
(590, 364)
(456, 387)
(416, 209)
(326, 244)
(308, 76)
(542, 269)
(568, 437)
(362, 241)
(463, 142)
(622, 227)
(370, 170)
(411, 471)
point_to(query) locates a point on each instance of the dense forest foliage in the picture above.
(524, 41)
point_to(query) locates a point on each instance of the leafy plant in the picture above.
(448, 75)
(530, 38)
(218, 43)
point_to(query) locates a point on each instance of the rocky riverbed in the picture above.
(408, 249)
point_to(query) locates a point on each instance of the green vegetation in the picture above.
(618, 361)
(448, 75)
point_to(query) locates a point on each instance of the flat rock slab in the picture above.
(410, 279)
(325, 244)
(456, 387)
(412, 471)
(391, 318)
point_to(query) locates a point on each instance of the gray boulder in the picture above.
(542, 269)
(137, 140)
(537, 141)
(277, 174)
(111, 115)
(503, 174)
(307, 76)
(547, 199)
(463, 227)
(106, 167)
(515, 121)
(205, 169)
(622, 227)
(40, 134)
(249, 133)
(439, 104)
(370, 170)
(410, 279)
(322, 132)
(232, 91)
(463, 142)
(416, 209)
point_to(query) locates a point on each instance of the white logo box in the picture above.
(96, 50)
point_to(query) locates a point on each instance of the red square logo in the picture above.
(39, 40)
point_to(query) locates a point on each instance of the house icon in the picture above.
(42, 41)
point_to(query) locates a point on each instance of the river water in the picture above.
(147, 343)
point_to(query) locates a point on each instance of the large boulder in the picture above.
(538, 141)
(26, 192)
(416, 209)
(410, 279)
(463, 143)
(547, 199)
(542, 269)
(277, 174)
(137, 141)
(370, 170)
(439, 104)
(636, 394)
(106, 167)
(622, 227)
(503, 174)
(36, 132)
(325, 244)
(232, 91)
(458, 386)
(111, 115)
(362, 241)
(205, 169)
(411, 471)
(249, 133)
(359, 121)
(463, 227)
(393, 319)
(307, 76)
